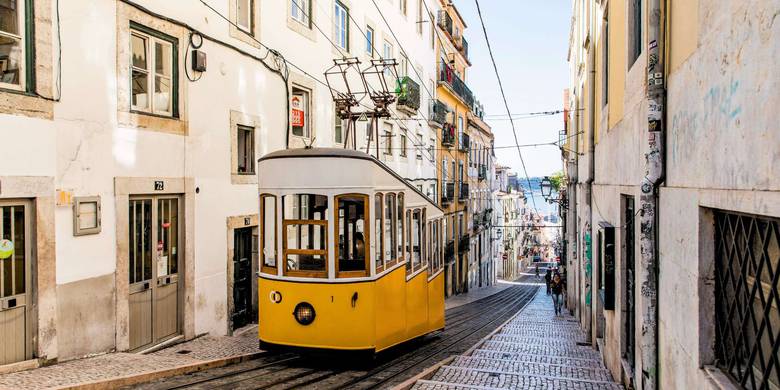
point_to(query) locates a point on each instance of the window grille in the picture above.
(747, 258)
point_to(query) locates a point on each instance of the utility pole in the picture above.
(654, 175)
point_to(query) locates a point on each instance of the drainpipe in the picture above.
(592, 329)
(654, 168)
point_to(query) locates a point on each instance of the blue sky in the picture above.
(529, 41)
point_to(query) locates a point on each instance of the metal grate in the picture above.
(747, 257)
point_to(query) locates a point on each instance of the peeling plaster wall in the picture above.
(723, 153)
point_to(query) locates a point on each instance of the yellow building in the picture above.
(454, 103)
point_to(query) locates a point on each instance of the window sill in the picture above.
(152, 122)
(14, 102)
(302, 29)
(243, 178)
(717, 379)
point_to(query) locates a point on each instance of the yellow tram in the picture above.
(350, 253)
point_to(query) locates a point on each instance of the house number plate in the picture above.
(159, 185)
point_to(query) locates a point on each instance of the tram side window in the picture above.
(390, 228)
(400, 227)
(416, 240)
(352, 234)
(305, 234)
(378, 231)
(268, 233)
(423, 240)
(409, 227)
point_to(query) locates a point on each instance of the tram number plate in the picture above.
(159, 185)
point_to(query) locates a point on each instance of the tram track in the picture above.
(466, 325)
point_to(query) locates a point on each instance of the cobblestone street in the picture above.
(534, 350)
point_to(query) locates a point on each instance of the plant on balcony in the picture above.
(408, 93)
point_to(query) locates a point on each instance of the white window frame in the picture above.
(300, 11)
(370, 37)
(78, 230)
(388, 131)
(151, 73)
(307, 112)
(22, 38)
(341, 25)
(249, 9)
(403, 145)
(402, 7)
(249, 148)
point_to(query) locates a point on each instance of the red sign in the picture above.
(297, 114)
(505, 256)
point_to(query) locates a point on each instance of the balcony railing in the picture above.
(444, 20)
(465, 142)
(464, 192)
(448, 135)
(449, 251)
(464, 48)
(448, 193)
(482, 172)
(448, 76)
(408, 94)
(438, 113)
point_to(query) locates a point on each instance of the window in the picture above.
(13, 55)
(352, 232)
(403, 145)
(432, 150)
(246, 150)
(379, 230)
(420, 148)
(390, 230)
(419, 20)
(403, 67)
(86, 215)
(433, 29)
(268, 219)
(370, 41)
(341, 19)
(402, 7)
(635, 36)
(400, 227)
(388, 138)
(387, 53)
(300, 11)
(747, 318)
(153, 78)
(244, 14)
(338, 128)
(305, 235)
(413, 256)
(300, 108)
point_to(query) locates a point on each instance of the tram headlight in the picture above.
(304, 313)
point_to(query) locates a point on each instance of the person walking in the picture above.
(547, 279)
(556, 286)
(537, 272)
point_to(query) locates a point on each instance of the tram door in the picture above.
(154, 252)
(15, 281)
(242, 277)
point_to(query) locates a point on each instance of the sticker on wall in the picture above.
(6, 249)
(162, 266)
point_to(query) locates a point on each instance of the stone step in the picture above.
(449, 375)
(532, 358)
(552, 342)
(533, 368)
(541, 349)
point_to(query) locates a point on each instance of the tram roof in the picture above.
(341, 153)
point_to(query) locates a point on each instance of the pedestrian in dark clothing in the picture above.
(556, 285)
(537, 272)
(547, 279)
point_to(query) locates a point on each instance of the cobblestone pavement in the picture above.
(112, 365)
(535, 350)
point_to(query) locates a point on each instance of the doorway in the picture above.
(245, 243)
(154, 253)
(15, 281)
(629, 330)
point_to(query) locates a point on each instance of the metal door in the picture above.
(154, 252)
(630, 322)
(242, 278)
(15, 282)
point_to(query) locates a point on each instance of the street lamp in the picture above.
(546, 187)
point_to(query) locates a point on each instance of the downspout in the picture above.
(591, 178)
(654, 176)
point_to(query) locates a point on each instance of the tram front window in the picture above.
(305, 234)
(352, 235)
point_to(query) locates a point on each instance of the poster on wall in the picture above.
(297, 112)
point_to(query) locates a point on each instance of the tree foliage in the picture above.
(557, 180)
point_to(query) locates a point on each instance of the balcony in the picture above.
(448, 77)
(463, 243)
(464, 192)
(444, 20)
(464, 48)
(448, 135)
(482, 175)
(465, 142)
(448, 193)
(437, 113)
(408, 95)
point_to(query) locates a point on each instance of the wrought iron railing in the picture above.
(448, 135)
(465, 48)
(465, 142)
(408, 94)
(464, 192)
(449, 251)
(448, 192)
(438, 112)
(444, 20)
(448, 76)
(747, 275)
(482, 172)
(463, 243)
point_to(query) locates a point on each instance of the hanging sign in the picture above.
(297, 115)
(6, 249)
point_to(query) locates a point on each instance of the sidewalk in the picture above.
(121, 369)
(534, 350)
(474, 295)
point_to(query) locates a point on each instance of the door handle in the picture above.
(146, 286)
